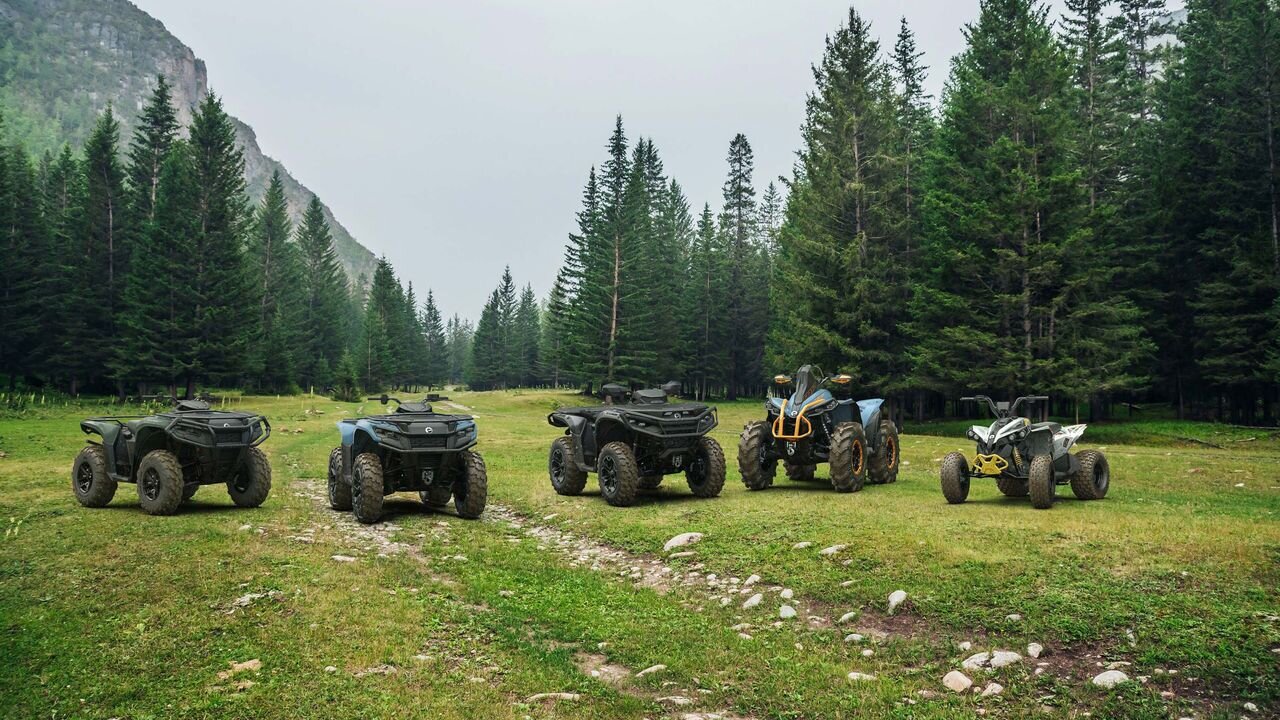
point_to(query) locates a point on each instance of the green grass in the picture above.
(112, 613)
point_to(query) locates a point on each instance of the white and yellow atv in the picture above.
(1025, 458)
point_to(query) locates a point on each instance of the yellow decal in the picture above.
(989, 465)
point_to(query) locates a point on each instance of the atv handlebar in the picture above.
(1009, 409)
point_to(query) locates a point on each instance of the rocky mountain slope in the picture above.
(62, 61)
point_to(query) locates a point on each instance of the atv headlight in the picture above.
(973, 435)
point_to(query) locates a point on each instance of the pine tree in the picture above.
(673, 233)
(706, 322)
(528, 331)
(437, 351)
(486, 370)
(154, 134)
(323, 328)
(841, 280)
(25, 243)
(747, 284)
(276, 274)
(222, 292)
(508, 345)
(458, 338)
(375, 356)
(63, 321)
(105, 249)
(915, 131)
(554, 350)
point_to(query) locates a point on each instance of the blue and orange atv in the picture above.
(809, 424)
(412, 449)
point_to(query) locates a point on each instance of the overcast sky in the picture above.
(455, 137)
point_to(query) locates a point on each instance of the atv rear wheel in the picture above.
(1040, 482)
(566, 477)
(250, 487)
(799, 473)
(757, 472)
(339, 488)
(1093, 478)
(955, 477)
(90, 482)
(1012, 486)
(882, 467)
(618, 474)
(160, 483)
(848, 457)
(366, 488)
(470, 486)
(706, 473)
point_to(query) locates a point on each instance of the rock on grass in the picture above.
(896, 598)
(681, 540)
(957, 681)
(1109, 679)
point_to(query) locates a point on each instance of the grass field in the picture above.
(113, 613)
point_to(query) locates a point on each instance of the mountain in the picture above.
(63, 61)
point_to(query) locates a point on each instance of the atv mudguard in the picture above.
(581, 432)
(869, 411)
(357, 437)
(112, 442)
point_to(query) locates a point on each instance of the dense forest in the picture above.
(1088, 211)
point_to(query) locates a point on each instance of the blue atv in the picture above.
(808, 424)
(411, 449)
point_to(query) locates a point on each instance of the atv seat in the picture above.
(649, 397)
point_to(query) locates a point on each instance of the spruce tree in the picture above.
(154, 134)
(554, 349)
(528, 331)
(437, 352)
(486, 371)
(222, 292)
(105, 247)
(706, 324)
(276, 275)
(323, 327)
(64, 324)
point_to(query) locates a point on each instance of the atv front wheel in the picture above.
(848, 457)
(955, 477)
(250, 487)
(799, 473)
(90, 482)
(1040, 482)
(757, 472)
(160, 483)
(882, 468)
(706, 473)
(1093, 478)
(471, 487)
(339, 488)
(366, 488)
(566, 477)
(1012, 486)
(618, 474)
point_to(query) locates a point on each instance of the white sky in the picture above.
(455, 137)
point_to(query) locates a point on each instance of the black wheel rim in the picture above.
(151, 484)
(763, 454)
(608, 475)
(1100, 477)
(557, 466)
(84, 477)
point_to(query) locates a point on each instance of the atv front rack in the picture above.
(193, 432)
(989, 465)
(800, 426)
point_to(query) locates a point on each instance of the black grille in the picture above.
(679, 427)
(419, 441)
(230, 436)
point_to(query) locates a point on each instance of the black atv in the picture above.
(169, 455)
(809, 424)
(411, 449)
(632, 445)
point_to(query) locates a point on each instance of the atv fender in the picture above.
(870, 413)
(1040, 442)
(109, 432)
(357, 438)
(577, 428)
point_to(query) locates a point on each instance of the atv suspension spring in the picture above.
(1017, 459)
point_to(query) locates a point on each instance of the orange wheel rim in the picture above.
(893, 452)
(858, 456)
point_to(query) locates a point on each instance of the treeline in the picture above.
(1090, 213)
(648, 294)
(146, 269)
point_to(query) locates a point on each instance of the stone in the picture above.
(787, 594)
(343, 558)
(570, 697)
(896, 598)
(505, 593)
(1109, 679)
(1013, 617)
(992, 689)
(801, 545)
(956, 681)
(926, 694)
(681, 540)
(682, 554)
(832, 550)
(859, 677)
(868, 652)
(853, 637)
(651, 670)
(786, 612)
(851, 615)
(1251, 707)
(675, 700)
(750, 581)
(744, 636)
(964, 646)
(752, 601)
(990, 660)
(330, 669)
(1034, 650)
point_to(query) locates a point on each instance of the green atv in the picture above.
(169, 455)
